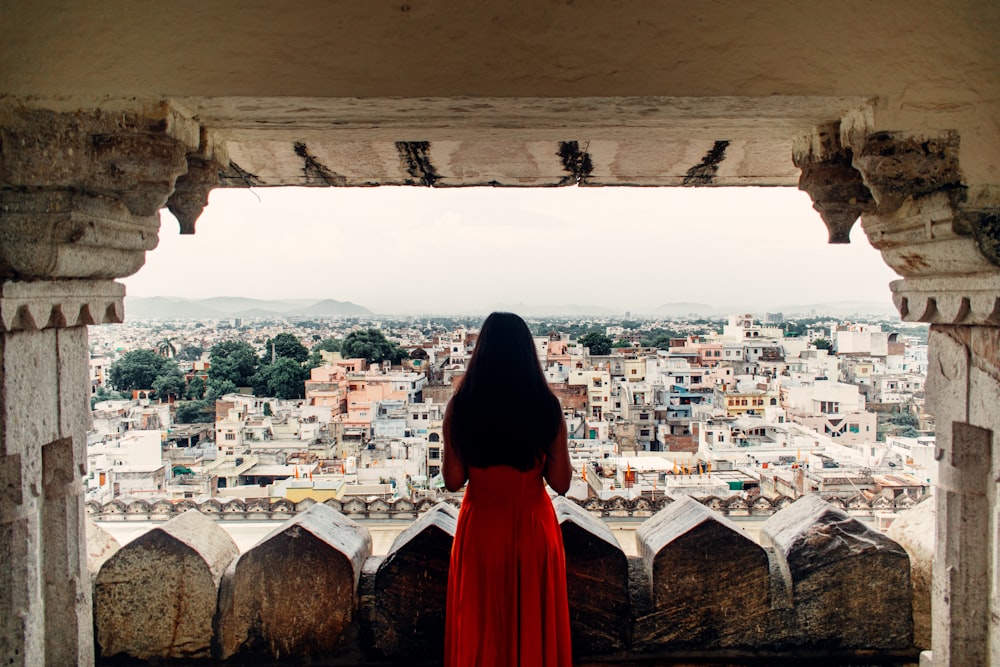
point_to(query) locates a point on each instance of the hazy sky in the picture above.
(421, 250)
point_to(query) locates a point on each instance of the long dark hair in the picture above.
(503, 412)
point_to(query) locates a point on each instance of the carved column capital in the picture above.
(946, 249)
(131, 157)
(80, 192)
(59, 304)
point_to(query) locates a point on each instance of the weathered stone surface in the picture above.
(925, 238)
(56, 234)
(31, 306)
(850, 585)
(100, 547)
(914, 531)
(294, 593)
(597, 582)
(131, 157)
(157, 596)
(898, 166)
(710, 583)
(190, 195)
(411, 586)
(838, 192)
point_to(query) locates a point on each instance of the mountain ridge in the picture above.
(227, 307)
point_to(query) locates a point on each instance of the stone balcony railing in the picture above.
(822, 585)
(402, 509)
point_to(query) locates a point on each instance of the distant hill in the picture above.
(224, 307)
(841, 308)
(566, 310)
(832, 308)
(682, 309)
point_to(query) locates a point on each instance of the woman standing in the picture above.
(504, 433)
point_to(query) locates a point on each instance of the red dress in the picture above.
(507, 579)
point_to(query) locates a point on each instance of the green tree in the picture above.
(137, 369)
(285, 346)
(165, 348)
(598, 343)
(105, 394)
(621, 344)
(195, 412)
(661, 342)
(195, 389)
(170, 384)
(325, 345)
(285, 378)
(218, 388)
(372, 345)
(233, 360)
(189, 353)
(822, 344)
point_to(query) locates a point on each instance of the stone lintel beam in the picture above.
(843, 576)
(711, 584)
(295, 592)
(827, 174)
(597, 582)
(59, 304)
(407, 617)
(157, 596)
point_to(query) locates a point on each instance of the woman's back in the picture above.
(507, 588)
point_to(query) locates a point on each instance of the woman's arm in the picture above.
(558, 470)
(453, 470)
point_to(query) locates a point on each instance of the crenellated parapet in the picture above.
(402, 509)
(310, 590)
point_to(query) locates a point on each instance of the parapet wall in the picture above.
(823, 584)
(402, 509)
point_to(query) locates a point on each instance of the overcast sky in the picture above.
(400, 250)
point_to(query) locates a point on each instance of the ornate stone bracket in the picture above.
(80, 192)
(204, 173)
(59, 304)
(838, 192)
(912, 199)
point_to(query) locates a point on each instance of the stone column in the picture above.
(79, 195)
(942, 235)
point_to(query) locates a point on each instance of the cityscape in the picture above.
(340, 407)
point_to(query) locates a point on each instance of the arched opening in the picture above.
(472, 250)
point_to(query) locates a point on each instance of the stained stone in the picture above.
(157, 596)
(597, 582)
(100, 547)
(850, 585)
(710, 583)
(294, 593)
(914, 531)
(411, 585)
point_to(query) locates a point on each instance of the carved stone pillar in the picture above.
(942, 236)
(79, 194)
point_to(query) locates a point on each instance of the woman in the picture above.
(504, 433)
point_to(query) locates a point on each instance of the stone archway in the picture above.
(896, 125)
